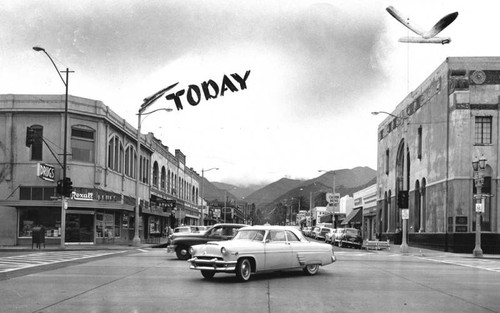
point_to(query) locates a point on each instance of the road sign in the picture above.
(405, 214)
(479, 208)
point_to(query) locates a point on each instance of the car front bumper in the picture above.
(212, 264)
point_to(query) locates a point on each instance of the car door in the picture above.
(278, 251)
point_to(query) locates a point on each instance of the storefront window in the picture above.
(154, 225)
(105, 225)
(49, 218)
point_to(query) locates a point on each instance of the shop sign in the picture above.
(45, 171)
(89, 196)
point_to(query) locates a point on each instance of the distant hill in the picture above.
(272, 191)
(347, 181)
(239, 192)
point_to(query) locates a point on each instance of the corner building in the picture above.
(101, 162)
(428, 150)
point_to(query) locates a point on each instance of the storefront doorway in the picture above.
(79, 228)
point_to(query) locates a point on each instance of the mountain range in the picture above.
(347, 181)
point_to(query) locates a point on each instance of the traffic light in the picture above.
(67, 187)
(403, 199)
(59, 187)
(30, 136)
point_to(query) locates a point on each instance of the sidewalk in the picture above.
(422, 252)
(80, 247)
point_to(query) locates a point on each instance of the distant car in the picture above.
(183, 229)
(337, 236)
(257, 249)
(351, 237)
(330, 235)
(306, 231)
(322, 232)
(315, 231)
(182, 242)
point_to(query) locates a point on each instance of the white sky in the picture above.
(318, 68)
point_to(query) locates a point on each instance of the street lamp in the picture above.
(202, 222)
(63, 198)
(478, 167)
(147, 102)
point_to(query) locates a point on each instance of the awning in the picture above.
(354, 217)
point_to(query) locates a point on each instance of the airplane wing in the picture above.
(442, 24)
(406, 21)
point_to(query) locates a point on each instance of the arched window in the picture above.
(169, 190)
(163, 177)
(156, 171)
(130, 159)
(37, 146)
(115, 154)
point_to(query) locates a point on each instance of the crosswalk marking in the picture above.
(13, 263)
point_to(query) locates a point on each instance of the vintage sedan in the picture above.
(257, 249)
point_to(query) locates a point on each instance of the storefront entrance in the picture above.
(79, 228)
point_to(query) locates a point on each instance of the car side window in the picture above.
(291, 236)
(277, 235)
(216, 232)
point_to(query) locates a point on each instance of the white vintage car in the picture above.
(257, 249)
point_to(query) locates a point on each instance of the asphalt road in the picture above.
(150, 280)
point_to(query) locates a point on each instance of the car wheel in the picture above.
(311, 269)
(182, 253)
(243, 270)
(208, 274)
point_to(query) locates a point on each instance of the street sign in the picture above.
(405, 214)
(331, 198)
(479, 208)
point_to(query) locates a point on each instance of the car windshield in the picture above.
(251, 234)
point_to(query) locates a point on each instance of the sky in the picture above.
(317, 71)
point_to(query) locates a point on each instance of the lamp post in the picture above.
(202, 222)
(65, 145)
(147, 102)
(478, 166)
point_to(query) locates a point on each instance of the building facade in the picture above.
(101, 163)
(425, 149)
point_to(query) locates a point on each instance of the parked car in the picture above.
(257, 249)
(182, 242)
(322, 232)
(337, 236)
(306, 231)
(330, 235)
(315, 231)
(351, 237)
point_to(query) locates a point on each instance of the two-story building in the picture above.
(101, 163)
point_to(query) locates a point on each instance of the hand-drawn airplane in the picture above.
(425, 36)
